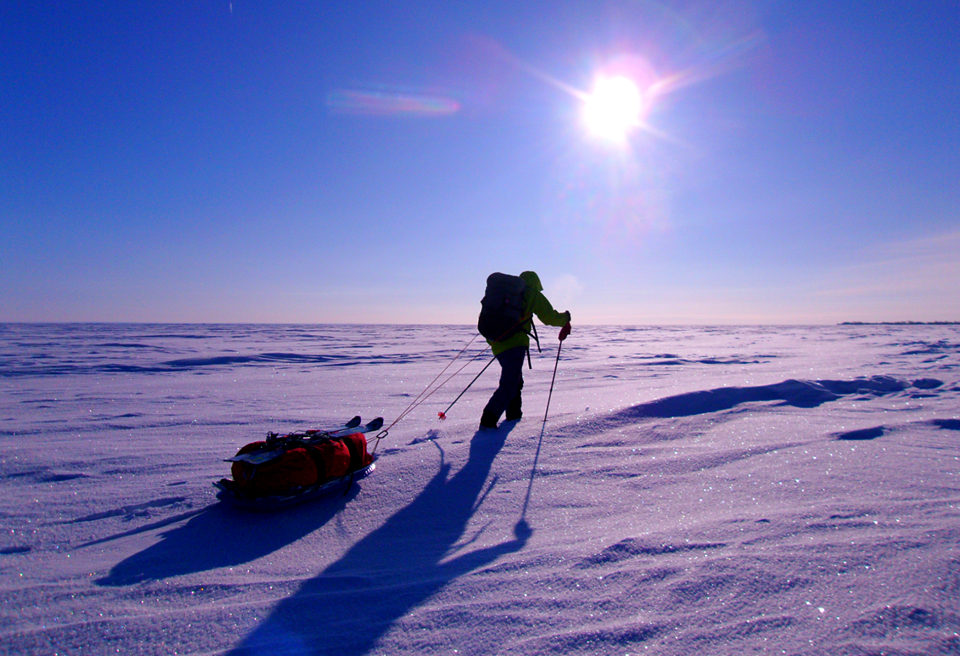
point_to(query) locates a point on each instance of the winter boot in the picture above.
(488, 421)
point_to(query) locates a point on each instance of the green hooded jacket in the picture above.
(534, 303)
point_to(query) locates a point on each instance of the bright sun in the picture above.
(614, 108)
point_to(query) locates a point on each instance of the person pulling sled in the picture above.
(506, 320)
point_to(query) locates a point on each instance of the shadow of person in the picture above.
(220, 536)
(346, 608)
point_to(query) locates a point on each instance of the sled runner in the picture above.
(287, 469)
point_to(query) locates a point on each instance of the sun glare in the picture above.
(613, 110)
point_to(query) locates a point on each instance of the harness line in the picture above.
(424, 395)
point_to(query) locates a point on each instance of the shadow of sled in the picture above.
(346, 608)
(228, 492)
(220, 536)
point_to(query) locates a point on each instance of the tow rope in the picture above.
(428, 392)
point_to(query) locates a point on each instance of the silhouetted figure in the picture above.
(511, 348)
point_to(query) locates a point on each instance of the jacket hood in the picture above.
(532, 280)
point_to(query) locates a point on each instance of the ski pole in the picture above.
(522, 525)
(552, 380)
(443, 415)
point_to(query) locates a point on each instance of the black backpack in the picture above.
(501, 312)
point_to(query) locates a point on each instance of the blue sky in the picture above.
(373, 161)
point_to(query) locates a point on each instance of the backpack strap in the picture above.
(317, 458)
(356, 455)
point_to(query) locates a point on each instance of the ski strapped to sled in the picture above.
(276, 445)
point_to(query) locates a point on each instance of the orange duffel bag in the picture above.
(302, 466)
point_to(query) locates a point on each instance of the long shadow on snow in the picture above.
(346, 608)
(219, 536)
(797, 393)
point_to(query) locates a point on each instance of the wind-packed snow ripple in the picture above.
(716, 490)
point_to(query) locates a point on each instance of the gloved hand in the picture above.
(564, 331)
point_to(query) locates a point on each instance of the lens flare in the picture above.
(391, 102)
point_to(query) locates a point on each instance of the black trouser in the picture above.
(507, 396)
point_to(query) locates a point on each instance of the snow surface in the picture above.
(754, 490)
